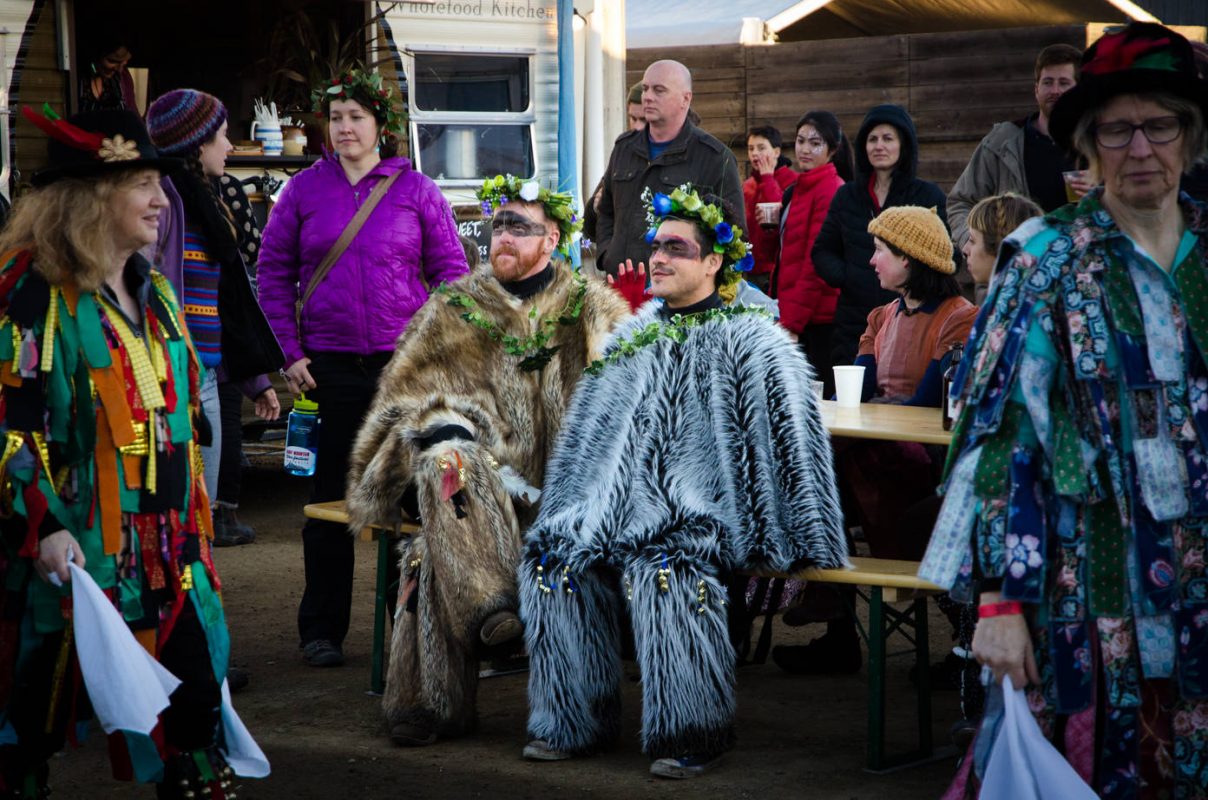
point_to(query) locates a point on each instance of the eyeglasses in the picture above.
(1157, 130)
(675, 247)
(516, 229)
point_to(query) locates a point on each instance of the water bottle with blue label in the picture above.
(302, 438)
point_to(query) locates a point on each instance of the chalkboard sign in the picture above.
(476, 229)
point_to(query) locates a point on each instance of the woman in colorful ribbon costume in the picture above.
(1075, 499)
(98, 401)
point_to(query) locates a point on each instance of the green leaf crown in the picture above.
(496, 192)
(686, 204)
(364, 88)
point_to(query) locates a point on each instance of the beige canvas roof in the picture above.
(654, 23)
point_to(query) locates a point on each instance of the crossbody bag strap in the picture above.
(349, 233)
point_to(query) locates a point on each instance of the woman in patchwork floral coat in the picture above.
(1077, 489)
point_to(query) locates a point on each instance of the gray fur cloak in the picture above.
(678, 461)
(723, 427)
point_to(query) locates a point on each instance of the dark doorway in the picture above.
(233, 49)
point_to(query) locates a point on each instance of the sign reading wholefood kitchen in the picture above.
(537, 10)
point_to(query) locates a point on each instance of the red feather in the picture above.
(65, 132)
(1115, 53)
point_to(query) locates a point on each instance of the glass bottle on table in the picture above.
(947, 402)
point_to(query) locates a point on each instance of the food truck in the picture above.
(531, 87)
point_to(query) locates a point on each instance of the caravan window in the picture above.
(447, 82)
(472, 152)
(471, 114)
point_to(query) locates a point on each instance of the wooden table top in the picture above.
(892, 423)
(335, 511)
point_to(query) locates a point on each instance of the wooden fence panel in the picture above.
(956, 85)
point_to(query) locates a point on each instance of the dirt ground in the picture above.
(323, 734)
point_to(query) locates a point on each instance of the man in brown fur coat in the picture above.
(464, 419)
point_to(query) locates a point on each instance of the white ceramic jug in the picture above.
(269, 137)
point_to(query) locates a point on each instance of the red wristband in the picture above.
(1005, 608)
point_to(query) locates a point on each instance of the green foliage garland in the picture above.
(532, 350)
(675, 330)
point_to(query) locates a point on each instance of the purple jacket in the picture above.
(408, 245)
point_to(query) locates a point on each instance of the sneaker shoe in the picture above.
(500, 627)
(322, 653)
(411, 734)
(541, 750)
(827, 655)
(685, 766)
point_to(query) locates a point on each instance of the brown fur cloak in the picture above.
(447, 371)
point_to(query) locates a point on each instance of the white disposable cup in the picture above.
(818, 387)
(849, 385)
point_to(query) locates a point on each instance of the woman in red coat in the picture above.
(771, 174)
(807, 303)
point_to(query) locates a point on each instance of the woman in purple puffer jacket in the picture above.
(407, 247)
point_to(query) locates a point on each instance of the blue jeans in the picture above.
(211, 455)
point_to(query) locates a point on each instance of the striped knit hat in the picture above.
(918, 232)
(182, 120)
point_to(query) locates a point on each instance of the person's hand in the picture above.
(268, 407)
(53, 556)
(1004, 645)
(630, 283)
(1081, 184)
(297, 376)
(764, 163)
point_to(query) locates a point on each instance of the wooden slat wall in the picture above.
(955, 85)
(37, 80)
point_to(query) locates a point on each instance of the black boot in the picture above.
(835, 653)
(227, 532)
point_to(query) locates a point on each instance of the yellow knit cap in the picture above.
(918, 232)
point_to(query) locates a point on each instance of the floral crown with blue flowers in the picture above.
(686, 204)
(559, 206)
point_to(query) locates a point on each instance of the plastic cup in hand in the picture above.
(1070, 177)
(849, 385)
(768, 214)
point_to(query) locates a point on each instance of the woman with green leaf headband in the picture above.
(338, 327)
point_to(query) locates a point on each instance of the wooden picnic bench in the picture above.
(886, 582)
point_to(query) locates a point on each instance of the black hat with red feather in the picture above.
(95, 143)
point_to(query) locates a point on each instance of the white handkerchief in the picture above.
(127, 687)
(1023, 764)
(242, 752)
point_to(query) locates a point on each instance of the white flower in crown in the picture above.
(529, 191)
(118, 149)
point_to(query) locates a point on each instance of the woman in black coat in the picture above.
(887, 157)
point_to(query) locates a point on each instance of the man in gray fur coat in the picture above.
(694, 447)
(463, 421)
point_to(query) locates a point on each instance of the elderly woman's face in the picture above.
(135, 206)
(1140, 174)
